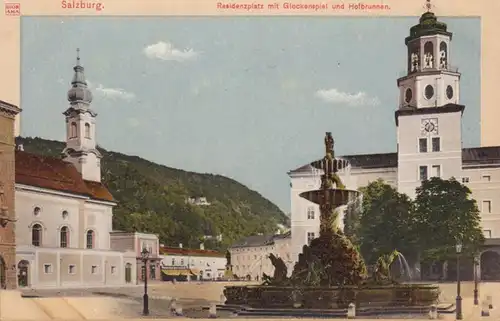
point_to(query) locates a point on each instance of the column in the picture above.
(103, 264)
(59, 263)
(80, 270)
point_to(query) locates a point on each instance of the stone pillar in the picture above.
(8, 274)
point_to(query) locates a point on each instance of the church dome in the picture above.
(79, 91)
(428, 25)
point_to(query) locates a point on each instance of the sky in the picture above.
(246, 97)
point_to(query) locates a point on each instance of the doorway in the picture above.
(128, 273)
(23, 272)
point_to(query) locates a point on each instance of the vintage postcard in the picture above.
(249, 159)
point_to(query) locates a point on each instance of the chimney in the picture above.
(180, 245)
(202, 246)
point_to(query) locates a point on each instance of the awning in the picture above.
(179, 272)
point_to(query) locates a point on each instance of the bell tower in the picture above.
(430, 80)
(429, 115)
(81, 147)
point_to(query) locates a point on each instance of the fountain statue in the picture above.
(341, 261)
(330, 272)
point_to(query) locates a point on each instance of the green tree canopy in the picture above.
(445, 214)
(385, 222)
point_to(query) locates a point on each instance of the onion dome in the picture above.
(428, 25)
(79, 91)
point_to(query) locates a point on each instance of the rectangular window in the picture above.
(113, 269)
(436, 144)
(486, 207)
(465, 180)
(71, 269)
(182, 262)
(310, 213)
(422, 145)
(436, 170)
(47, 268)
(173, 262)
(422, 171)
(310, 237)
(486, 178)
(487, 234)
(93, 269)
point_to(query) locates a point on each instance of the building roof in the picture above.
(165, 250)
(476, 156)
(9, 108)
(260, 240)
(56, 174)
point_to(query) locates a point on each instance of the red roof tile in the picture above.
(56, 174)
(99, 191)
(193, 252)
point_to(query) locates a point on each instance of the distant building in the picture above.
(198, 201)
(135, 242)
(191, 264)
(250, 256)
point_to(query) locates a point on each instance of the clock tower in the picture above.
(429, 116)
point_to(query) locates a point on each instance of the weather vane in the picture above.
(77, 56)
(428, 5)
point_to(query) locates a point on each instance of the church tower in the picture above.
(81, 148)
(429, 116)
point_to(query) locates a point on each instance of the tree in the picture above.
(446, 214)
(385, 223)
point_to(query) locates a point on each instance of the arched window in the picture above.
(429, 55)
(64, 237)
(36, 235)
(72, 130)
(90, 239)
(443, 55)
(87, 130)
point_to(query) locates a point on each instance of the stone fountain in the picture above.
(330, 273)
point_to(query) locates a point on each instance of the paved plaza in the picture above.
(126, 302)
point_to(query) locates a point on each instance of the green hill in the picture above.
(152, 198)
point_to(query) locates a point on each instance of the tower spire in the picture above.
(79, 91)
(428, 5)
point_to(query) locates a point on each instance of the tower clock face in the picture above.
(449, 92)
(408, 95)
(429, 126)
(429, 91)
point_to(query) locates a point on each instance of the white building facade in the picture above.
(250, 256)
(64, 212)
(185, 264)
(428, 122)
(429, 140)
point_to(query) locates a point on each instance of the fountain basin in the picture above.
(284, 297)
(335, 197)
(325, 164)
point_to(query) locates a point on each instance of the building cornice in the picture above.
(9, 110)
(448, 108)
(49, 191)
(429, 72)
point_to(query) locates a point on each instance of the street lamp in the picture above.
(459, 298)
(476, 265)
(145, 300)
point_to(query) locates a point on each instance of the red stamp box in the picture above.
(12, 9)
